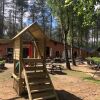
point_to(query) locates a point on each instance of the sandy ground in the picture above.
(67, 87)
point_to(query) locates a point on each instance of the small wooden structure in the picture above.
(30, 74)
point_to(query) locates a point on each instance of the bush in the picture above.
(1, 58)
(2, 63)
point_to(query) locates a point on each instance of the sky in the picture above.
(26, 19)
(98, 6)
(8, 9)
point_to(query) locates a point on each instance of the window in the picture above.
(57, 54)
(25, 52)
(47, 51)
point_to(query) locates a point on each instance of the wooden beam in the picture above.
(32, 60)
(35, 43)
(15, 76)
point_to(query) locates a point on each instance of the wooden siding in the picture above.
(17, 49)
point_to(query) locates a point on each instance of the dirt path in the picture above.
(67, 87)
(73, 88)
(6, 84)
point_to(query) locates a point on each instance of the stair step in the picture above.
(44, 95)
(41, 88)
(39, 81)
(36, 75)
(34, 68)
(38, 86)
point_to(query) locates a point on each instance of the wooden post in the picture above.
(20, 67)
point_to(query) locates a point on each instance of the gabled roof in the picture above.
(4, 41)
(58, 42)
(35, 30)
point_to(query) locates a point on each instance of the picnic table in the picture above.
(55, 65)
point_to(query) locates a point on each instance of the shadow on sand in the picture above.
(58, 72)
(76, 70)
(2, 69)
(64, 95)
(24, 96)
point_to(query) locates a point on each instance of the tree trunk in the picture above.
(97, 37)
(21, 23)
(13, 18)
(92, 36)
(33, 14)
(3, 11)
(72, 36)
(66, 50)
(73, 56)
(51, 27)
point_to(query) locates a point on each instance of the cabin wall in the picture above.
(3, 49)
(52, 45)
(54, 48)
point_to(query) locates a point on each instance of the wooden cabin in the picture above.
(53, 48)
(85, 52)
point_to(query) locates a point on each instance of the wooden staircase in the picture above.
(38, 82)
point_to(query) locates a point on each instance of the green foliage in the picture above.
(85, 9)
(2, 62)
(82, 75)
(80, 13)
(86, 17)
(91, 79)
(82, 10)
(76, 73)
(60, 10)
(94, 59)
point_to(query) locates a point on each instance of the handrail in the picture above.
(27, 84)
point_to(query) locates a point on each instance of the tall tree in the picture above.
(83, 11)
(41, 13)
(2, 9)
(60, 10)
(22, 6)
